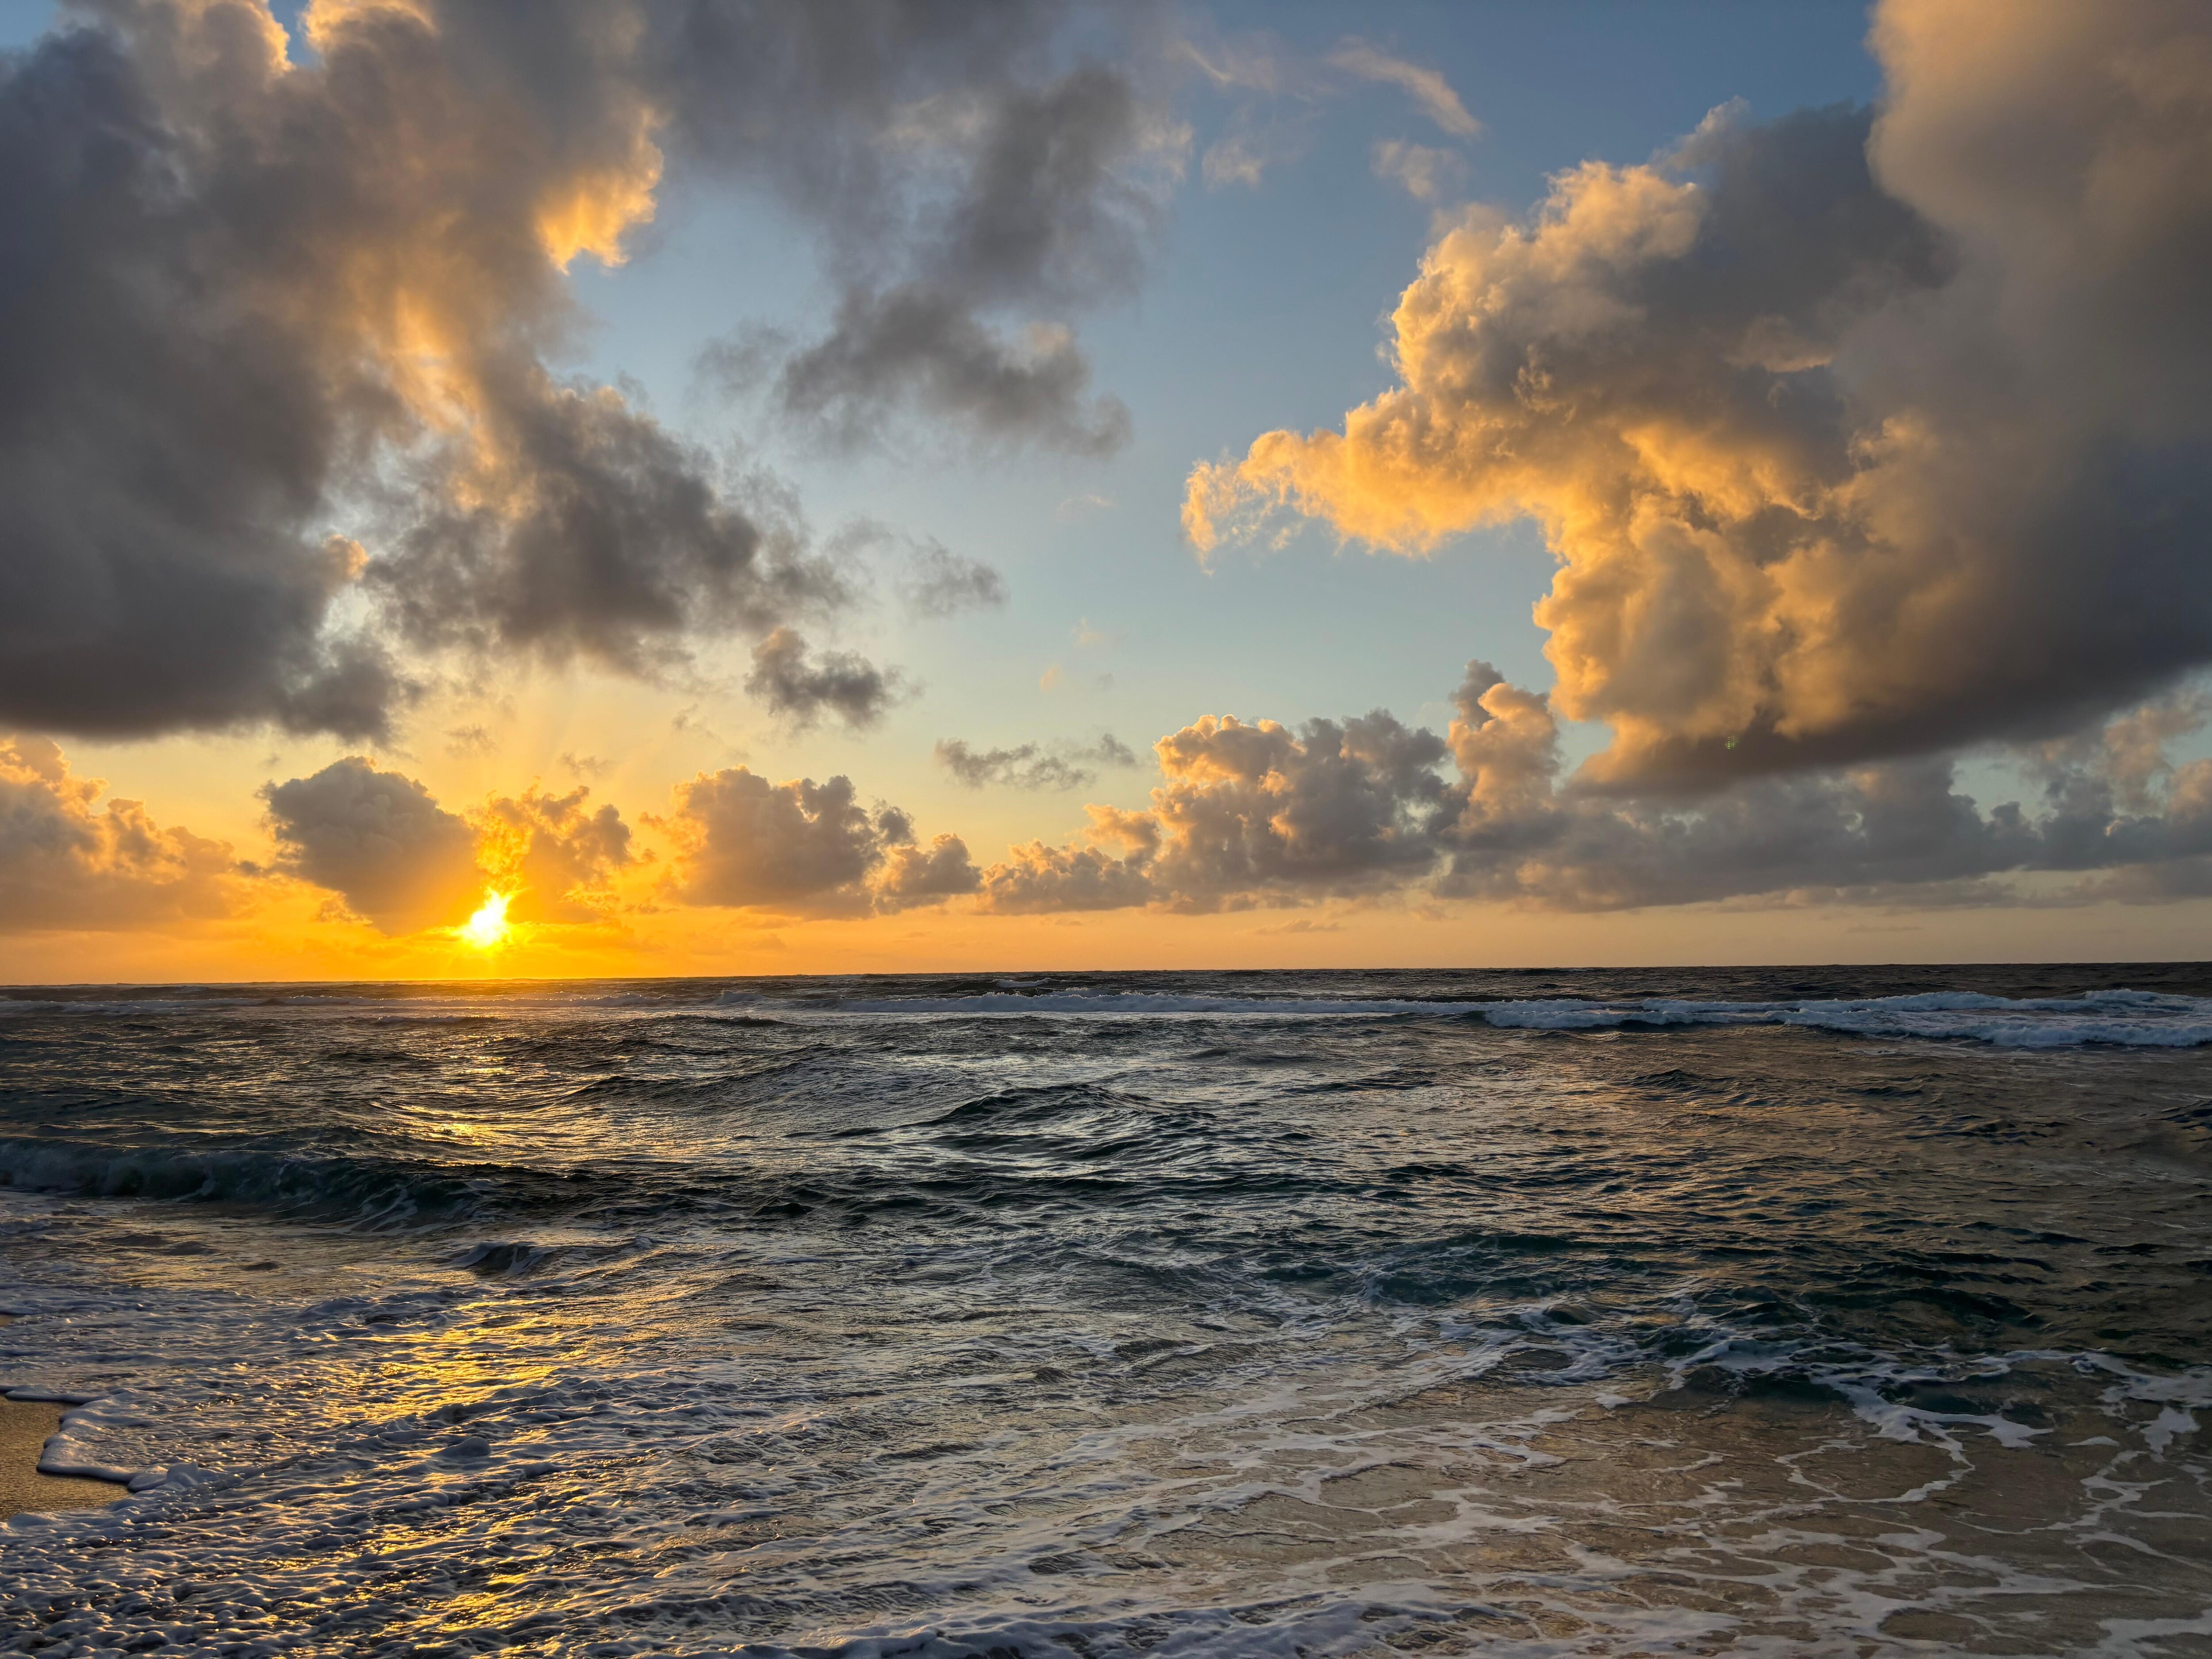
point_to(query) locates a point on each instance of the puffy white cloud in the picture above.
(1037, 878)
(1251, 814)
(68, 864)
(742, 840)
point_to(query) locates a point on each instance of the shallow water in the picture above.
(1842, 1311)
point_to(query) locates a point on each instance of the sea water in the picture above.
(1768, 1312)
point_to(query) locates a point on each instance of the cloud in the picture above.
(1032, 766)
(1037, 878)
(971, 196)
(742, 841)
(1856, 438)
(587, 532)
(1425, 173)
(802, 688)
(282, 409)
(803, 848)
(915, 349)
(1251, 815)
(913, 875)
(379, 841)
(1426, 87)
(938, 582)
(67, 866)
(552, 854)
(1278, 91)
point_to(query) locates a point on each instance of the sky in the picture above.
(639, 487)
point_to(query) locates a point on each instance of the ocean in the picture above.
(1840, 1311)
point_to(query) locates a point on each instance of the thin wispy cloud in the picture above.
(1426, 87)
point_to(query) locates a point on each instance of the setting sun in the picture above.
(487, 927)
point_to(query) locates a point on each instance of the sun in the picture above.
(487, 927)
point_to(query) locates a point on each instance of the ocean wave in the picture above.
(2124, 1018)
(366, 1190)
(2119, 1017)
(1134, 1003)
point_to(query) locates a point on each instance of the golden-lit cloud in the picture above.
(401, 861)
(68, 864)
(554, 857)
(1841, 458)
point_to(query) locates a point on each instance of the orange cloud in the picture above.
(554, 857)
(68, 865)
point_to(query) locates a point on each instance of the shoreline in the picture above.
(24, 1426)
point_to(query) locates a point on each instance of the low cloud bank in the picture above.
(1260, 814)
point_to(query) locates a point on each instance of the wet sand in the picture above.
(24, 1426)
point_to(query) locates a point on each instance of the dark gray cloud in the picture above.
(380, 841)
(802, 688)
(1032, 766)
(971, 190)
(163, 437)
(605, 537)
(887, 353)
(255, 292)
(938, 582)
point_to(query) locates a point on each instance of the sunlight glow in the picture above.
(488, 926)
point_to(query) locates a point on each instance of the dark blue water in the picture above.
(1837, 1311)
